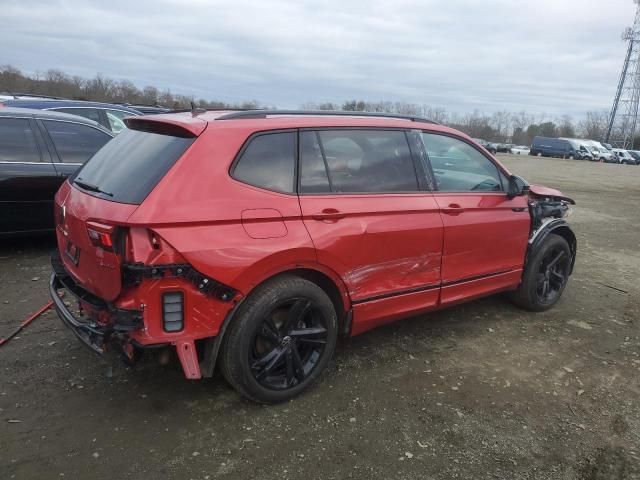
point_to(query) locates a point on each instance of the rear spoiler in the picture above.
(174, 126)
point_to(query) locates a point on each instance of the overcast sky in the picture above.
(553, 56)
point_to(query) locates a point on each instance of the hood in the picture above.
(547, 192)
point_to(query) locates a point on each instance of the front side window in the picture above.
(17, 142)
(458, 167)
(74, 142)
(268, 161)
(356, 161)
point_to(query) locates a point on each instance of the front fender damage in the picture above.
(549, 210)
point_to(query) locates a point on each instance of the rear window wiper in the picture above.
(90, 187)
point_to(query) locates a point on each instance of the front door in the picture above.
(370, 221)
(485, 232)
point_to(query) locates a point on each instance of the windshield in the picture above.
(128, 167)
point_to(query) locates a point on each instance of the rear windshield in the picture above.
(128, 167)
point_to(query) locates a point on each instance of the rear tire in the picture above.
(280, 340)
(545, 276)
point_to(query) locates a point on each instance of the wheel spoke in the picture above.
(311, 332)
(266, 363)
(558, 276)
(555, 260)
(289, 361)
(545, 289)
(296, 313)
(298, 368)
(269, 332)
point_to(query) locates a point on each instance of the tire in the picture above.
(539, 154)
(530, 295)
(262, 358)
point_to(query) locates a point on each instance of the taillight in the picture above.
(101, 235)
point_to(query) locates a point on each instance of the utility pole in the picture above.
(623, 119)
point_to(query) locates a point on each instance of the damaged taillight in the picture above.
(101, 235)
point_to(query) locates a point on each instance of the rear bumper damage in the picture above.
(99, 324)
(89, 329)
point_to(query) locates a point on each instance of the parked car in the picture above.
(597, 150)
(504, 147)
(108, 115)
(38, 150)
(254, 238)
(520, 150)
(636, 155)
(580, 150)
(623, 156)
(491, 147)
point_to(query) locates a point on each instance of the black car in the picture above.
(38, 151)
(491, 147)
(108, 115)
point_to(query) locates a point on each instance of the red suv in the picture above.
(253, 239)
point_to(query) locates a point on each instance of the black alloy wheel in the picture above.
(280, 340)
(552, 275)
(288, 343)
(545, 276)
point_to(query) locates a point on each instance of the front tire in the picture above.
(280, 340)
(545, 276)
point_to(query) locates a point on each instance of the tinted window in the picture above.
(75, 143)
(268, 162)
(313, 170)
(459, 167)
(90, 113)
(365, 161)
(17, 143)
(131, 165)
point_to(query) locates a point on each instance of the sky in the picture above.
(546, 56)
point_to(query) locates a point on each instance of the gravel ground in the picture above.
(483, 390)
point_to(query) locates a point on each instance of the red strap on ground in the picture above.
(26, 322)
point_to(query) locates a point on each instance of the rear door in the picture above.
(371, 220)
(485, 232)
(28, 179)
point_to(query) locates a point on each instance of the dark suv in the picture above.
(38, 150)
(110, 116)
(254, 238)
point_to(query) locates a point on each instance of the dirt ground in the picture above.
(479, 391)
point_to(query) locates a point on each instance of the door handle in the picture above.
(453, 209)
(328, 214)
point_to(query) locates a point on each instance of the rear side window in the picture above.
(356, 161)
(268, 161)
(17, 142)
(75, 143)
(131, 165)
(459, 167)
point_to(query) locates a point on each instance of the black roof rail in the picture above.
(250, 114)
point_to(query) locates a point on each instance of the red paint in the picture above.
(389, 255)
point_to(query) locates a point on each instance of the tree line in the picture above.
(501, 126)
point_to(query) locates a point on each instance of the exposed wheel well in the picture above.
(327, 284)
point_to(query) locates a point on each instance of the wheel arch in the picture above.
(330, 283)
(558, 227)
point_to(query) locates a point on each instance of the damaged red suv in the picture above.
(251, 240)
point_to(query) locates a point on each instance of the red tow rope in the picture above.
(26, 322)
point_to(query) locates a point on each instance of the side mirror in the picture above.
(518, 186)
